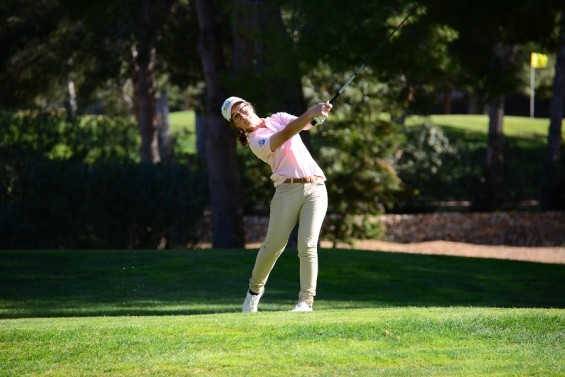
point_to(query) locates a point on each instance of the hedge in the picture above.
(67, 204)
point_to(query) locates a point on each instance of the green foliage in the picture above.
(459, 173)
(521, 174)
(30, 134)
(65, 204)
(361, 178)
(355, 148)
(488, 53)
(422, 153)
(100, 138)
(49, 135)
(66, 184)
(420, 163)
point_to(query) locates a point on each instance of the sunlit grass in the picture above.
(182, 124)
(390, 342)
(513, 125)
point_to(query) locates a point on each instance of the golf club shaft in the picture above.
(388, 37)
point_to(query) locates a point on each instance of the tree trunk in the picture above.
(149, 17)
(223, 171)
(494, 194)
(552, 185)
(472, 103)
(495, 152)
(271, 62)
(164, 132)
(144, 103)
(447, 97)
(254, 23)
(70, 96)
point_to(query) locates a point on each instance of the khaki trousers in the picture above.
(306, 203)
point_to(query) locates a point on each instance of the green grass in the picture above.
(132, 313)
(388, 342)
(525, 132)
(514, 126)
(182, 124)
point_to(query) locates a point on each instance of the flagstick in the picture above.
(532, 90)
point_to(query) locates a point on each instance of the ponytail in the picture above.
(241, 135)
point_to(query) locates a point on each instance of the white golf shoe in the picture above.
(302, 307)
(251, 302)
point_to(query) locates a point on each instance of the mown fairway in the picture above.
(126, 313)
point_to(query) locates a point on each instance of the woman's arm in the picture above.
(297, 125)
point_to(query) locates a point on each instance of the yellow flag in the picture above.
(538, 60)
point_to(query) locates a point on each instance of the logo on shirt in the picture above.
(262, 142)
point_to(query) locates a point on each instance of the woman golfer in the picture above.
(300, 193)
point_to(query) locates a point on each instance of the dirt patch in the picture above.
(554, 255)
(522, 236)
(523, 229)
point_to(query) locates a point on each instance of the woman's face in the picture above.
(243, 116)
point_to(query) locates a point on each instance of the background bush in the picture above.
(66, 204)
(90, 139)
(79, 185)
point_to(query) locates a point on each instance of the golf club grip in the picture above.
(314, 122)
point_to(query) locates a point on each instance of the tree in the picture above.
(552, 184)
(132, 34)
(35, 42)
(223, 173)
(490, 59)
(52, 42)
(264, 57)
(148, 18)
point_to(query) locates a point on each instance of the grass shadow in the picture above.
(116, 283)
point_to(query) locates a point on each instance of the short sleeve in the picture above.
(284, 118)
(260, 145)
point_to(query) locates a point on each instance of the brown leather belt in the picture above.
(301, 180)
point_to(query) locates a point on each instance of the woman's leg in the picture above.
(285, 208)
(311, 218)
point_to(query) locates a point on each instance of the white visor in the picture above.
(228, 104)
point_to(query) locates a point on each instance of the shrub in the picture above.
(49, 135)
(77, 185)
(427, 163)
(356, 156)
(65, 204)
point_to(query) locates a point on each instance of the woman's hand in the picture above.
(320, 110)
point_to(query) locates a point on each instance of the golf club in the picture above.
(320, 120)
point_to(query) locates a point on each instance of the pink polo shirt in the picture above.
(290, 160)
